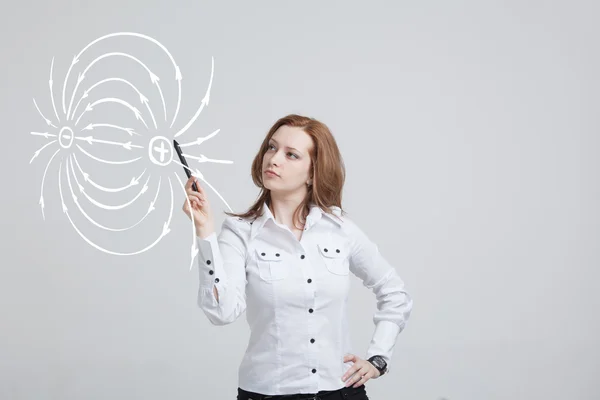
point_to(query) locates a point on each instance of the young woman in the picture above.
(286, 262)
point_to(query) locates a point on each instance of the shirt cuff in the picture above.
(209, 265)
(384, 340)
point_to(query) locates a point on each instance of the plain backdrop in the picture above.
(470, 135)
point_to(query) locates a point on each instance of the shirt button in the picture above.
(276, 254)
(262, 254)
(314, 371)
(309, 280)
(310, 310)
(312, 340)
(207, 262)
(217, 280)
(337, 250)
(302, 256)
(211, 272)
(325, 250)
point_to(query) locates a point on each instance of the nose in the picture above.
(275, 159)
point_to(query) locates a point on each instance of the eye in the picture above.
(293, 155)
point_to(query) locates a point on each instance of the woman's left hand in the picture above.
(362, 370)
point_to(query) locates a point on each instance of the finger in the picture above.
(350, 372)
(194, 195)
(189, 182)
(197, 182)
(360, 370)
(362, 380)
(354, 378)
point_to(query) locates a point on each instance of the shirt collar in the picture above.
(312, 218)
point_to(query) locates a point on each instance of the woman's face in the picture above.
(288, 156)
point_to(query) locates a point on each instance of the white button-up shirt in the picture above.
(295, 296)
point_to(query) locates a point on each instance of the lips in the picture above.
(271, 173)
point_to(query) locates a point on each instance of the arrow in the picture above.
(105, 161)
(200, 140)
(41, 203)
(205, 101)
(143, 99)
(50, 83)
(108, 207)
(203, 158)
(134, 34)
(165, 229)
(37, 153)
(100, 225)
(75, 61)
(91, 140)
(134, 181)
(153, 78)
(44, 134)
(91, 106)
(62, 200)
(178, 77)
(39, 111)
(91, 127)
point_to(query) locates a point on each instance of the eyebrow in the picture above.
(293, 148)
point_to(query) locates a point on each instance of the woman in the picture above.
(286, 262)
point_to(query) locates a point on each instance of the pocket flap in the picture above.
(332, 250)
(267, 253)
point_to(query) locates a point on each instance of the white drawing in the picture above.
(70, 136)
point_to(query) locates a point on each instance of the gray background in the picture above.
(470, 135)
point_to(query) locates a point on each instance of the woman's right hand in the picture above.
(200, 208)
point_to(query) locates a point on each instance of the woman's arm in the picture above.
(394, 304)
(222, 273)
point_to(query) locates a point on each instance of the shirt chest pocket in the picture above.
(335, 257)
(271, 263)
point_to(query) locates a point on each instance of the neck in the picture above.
(283, 207)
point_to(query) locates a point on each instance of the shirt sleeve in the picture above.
(222, 264)
(394, 304)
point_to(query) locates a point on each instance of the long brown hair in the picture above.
(327, 169)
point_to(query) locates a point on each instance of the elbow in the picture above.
(220, 312)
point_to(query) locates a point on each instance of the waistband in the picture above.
(341, 393)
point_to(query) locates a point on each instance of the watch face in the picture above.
(379, 362)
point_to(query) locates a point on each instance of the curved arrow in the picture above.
(81, 77)
(91, 106)
(41, 203)
(201, 139)
(203, 158)
(39, 111)
(134, 34)
(91, 140)
(199, 175)
(91, 127)
(194, 250)
(50, 83)
(205, 101)
(105, 161)
(143, 99)
(165, 230)
(86, 177)
(150, 209)
(37, 153)
(107, 207)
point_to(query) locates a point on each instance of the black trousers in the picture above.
(345, 393)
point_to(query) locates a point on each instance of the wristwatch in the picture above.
(379, 363)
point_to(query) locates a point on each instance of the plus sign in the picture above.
(162, 151)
